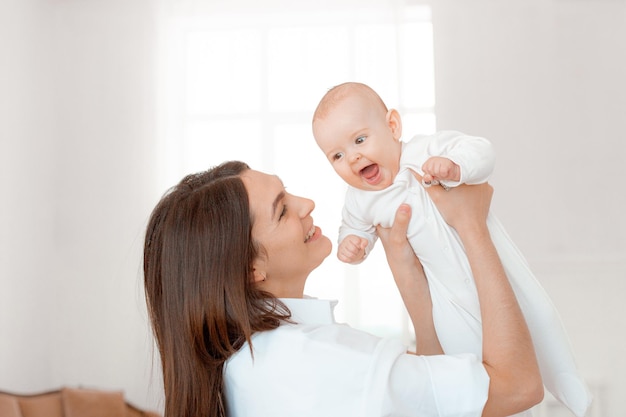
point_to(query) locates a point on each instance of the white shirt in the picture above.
(320, 368)
(456, 310)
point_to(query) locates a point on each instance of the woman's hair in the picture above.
(200, 292)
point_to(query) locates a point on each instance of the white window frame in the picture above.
(369, 299)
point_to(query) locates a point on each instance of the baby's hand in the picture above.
(352, 249)
(438, 168)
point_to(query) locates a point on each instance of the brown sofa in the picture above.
(69, 402)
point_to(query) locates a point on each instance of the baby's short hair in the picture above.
(337, 93)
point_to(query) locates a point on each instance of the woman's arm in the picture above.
(411, 282)
(508, 353)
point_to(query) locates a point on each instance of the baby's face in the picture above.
(360, 144)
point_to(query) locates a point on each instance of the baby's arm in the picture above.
(439, 168)
(454, 158)
(352, 249)
(357, 235)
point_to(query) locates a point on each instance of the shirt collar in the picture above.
(311, 310)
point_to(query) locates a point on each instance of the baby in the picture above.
(362, 140)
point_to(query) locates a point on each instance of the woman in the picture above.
(227, 255)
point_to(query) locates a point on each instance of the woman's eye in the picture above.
(337, 156)
(360, 139)
(283, 212)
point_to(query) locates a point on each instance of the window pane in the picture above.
(376, 60)
(223, 72)
(417, 65)
(417, 124)
(381, 309)
(211, 143)
(303, 63)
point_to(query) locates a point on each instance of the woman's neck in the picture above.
(293, 289)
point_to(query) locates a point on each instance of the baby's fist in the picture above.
(440, 169)
(352, 249)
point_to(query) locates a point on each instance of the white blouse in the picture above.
(320, 368)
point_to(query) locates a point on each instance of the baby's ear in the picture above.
(394, 121)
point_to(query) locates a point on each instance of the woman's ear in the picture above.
(394, 121)
(258, 276)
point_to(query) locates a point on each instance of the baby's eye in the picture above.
(337, 156)
(359, 140)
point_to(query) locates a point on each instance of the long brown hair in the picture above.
(199, 287)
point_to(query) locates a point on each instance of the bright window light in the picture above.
(244, 86)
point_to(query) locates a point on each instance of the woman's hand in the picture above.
(397, 248)
(462, 206)
(411, 281)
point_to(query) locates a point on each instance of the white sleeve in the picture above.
(354, 223)
(474, 155)
(441, 385)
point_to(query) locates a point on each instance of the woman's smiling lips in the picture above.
(313, 234)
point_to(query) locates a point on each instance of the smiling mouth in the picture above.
(310, 234)
(370, 173)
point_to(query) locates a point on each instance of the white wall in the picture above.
(25, 217)
(77, 129)
(543, 79)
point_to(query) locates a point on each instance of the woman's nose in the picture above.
(306, 206)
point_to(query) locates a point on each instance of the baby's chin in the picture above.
(368, 186)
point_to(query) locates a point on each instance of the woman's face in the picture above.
(282, 224)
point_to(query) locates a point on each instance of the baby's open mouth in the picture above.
(370, 172)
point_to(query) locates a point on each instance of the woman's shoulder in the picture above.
(333, 362)
(316, 337)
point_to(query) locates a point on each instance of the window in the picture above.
(243, 85)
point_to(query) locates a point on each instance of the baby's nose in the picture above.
(356, 157)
